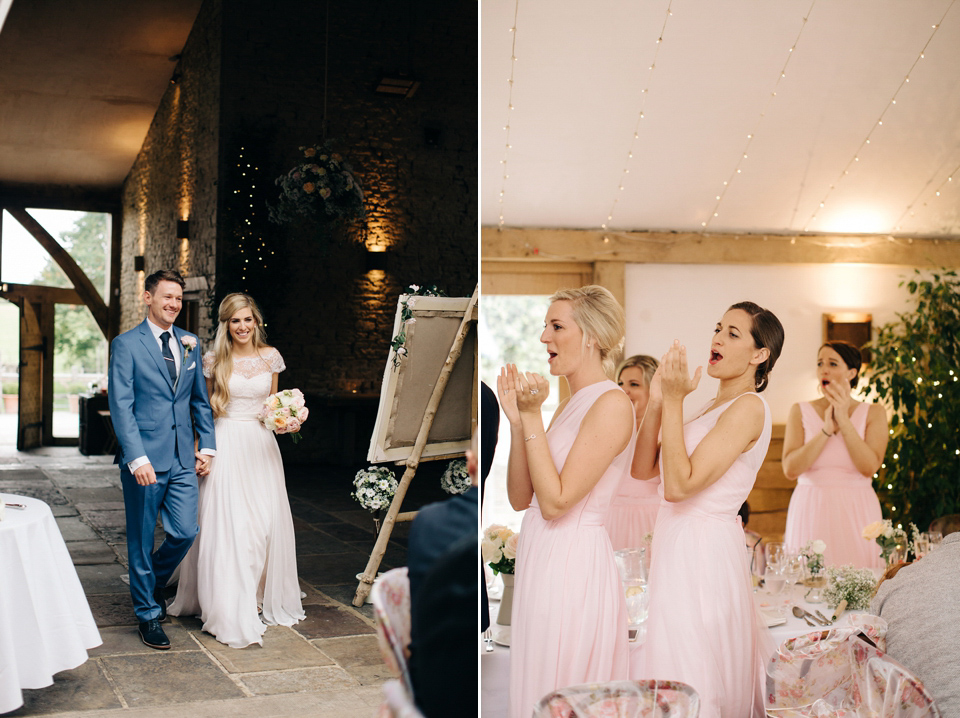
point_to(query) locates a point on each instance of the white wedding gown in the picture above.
(244, 557)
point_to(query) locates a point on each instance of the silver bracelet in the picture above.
(532, 436)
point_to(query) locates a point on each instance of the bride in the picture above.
(241, 572)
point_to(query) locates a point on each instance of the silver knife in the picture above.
(827, 621)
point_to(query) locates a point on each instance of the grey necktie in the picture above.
(168, 356)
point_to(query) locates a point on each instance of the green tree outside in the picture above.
(78, 340)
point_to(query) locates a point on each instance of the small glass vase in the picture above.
(816, 582)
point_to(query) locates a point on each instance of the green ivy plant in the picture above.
(914, 367)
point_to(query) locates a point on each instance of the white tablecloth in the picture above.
(45, 622)
(495, 665)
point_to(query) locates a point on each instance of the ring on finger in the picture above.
(534, 391)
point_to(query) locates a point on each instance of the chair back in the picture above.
(391, 609)
(842, 671)
(623, 699)
(397, 702)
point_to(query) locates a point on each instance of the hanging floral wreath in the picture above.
(321, 186)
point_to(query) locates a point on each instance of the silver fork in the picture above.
(488, 640)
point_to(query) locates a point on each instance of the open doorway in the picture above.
(9, 379)
(68, 358)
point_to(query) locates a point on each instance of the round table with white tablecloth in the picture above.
(45, 622)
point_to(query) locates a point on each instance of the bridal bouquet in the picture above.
(890, 538)
(498, 547)
(455, 479)
(284, 412)
(374, 487)
(855, 585)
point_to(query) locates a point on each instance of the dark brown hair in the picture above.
(164, 275)
(767, 333)
(850, 355)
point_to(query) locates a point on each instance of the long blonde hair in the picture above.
(223, 346)
(600, 317)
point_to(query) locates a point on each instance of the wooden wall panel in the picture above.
(771, 493)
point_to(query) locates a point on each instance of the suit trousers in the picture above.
(174, 499)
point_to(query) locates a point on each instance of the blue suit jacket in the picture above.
(152, 417)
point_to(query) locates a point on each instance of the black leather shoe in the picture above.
(152, 635)
(162, 602)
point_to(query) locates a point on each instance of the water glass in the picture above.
(793, 566)
(935, 537)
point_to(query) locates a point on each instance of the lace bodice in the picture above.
(250, 381)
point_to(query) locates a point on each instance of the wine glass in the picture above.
(775, 551)
(793, 566)
(935, 538)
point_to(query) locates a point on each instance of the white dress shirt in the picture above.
(176, 350)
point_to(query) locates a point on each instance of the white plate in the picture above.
(501, 636)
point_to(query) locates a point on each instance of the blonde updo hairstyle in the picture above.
(645, 363)
(223, 346)
(600, 318)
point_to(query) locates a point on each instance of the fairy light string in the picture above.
(640, 115)
(937, 192)
(737, 169)
(249, 241)
(879, 121)
(506, 127)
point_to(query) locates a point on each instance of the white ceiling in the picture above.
(577, 95)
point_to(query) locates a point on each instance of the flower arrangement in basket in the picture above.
(498, 547)
(854, 585)
(407, 301)
(891, 539)
(455, 479)
(374, 487)
(321, 185)
(284, 413)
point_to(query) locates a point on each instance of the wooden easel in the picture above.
(413, 461)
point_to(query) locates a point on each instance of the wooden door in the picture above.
(32, 357)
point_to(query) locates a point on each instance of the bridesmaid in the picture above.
(633, 511)
(569, 614)
(704, 629)
(832, 447)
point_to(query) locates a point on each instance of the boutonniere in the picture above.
(189, 344)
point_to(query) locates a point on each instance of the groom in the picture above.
(157, 396)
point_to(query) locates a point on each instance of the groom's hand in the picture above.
(145, 475)
(203, 464)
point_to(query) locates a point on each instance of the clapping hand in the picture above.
(839, 408)
(675, 379)
(829, 421)
(520, 392)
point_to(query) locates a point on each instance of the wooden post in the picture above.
(456, 349)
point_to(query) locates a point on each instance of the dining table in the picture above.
(776, 610)
(46, 625)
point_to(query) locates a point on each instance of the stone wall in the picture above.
(255, 79)
(175, 177)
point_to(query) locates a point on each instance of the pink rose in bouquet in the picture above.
(284, 413)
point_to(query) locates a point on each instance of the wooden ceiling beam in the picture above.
(40, 294)
(576, 245)
(81, 283)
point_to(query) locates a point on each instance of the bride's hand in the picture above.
(675, 378)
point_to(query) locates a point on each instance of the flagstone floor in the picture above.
(328, 665)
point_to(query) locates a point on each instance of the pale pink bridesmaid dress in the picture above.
(569, 621)
(833, 501)
(633, 511)
(703, 628)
